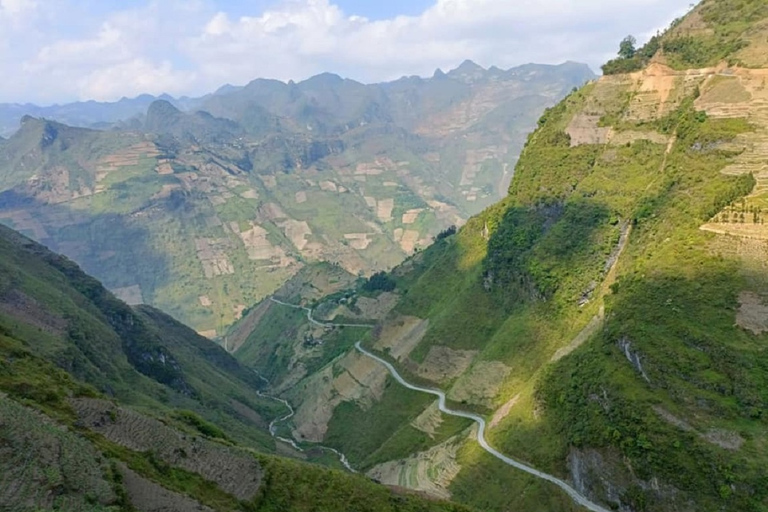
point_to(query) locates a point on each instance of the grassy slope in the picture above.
(667, 296)
(54, 319)
(103, 342)
(515, 297)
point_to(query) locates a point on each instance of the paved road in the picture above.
(573, 493)
(311, 319)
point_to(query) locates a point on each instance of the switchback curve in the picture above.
(575, 495)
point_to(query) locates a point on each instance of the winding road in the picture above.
(575, 495)
(316, 322)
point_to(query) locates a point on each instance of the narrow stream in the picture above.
(274, 423)
(575, 495)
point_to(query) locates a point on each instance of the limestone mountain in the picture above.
(197, 128)
(87, 114)
(204, 211)
(608, 317)
(108, 408)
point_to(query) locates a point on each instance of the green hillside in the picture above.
(54, 314)
(204, 212)
(608, 317)
(106, 408)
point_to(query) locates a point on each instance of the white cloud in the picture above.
(107, 46)
(303, 38)
(192, 47)
(14, 16)
(14, 8)
(132, 78)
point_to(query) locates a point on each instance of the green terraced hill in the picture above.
(609, 317)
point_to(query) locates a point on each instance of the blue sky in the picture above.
(372, 9)
(65, 50)
(383, 9)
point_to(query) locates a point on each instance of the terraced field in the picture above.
(204, 216)
(607, 319)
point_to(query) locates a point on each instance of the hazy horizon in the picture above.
(80, 50)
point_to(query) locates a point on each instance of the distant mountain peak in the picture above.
(324, 78)
(26, 119)
(227, 88)
(38, 131)
(575, 65)
(28, 123)
(162, 106)
(161, 116)
(468, 72)
(469, 66)
(439, 73)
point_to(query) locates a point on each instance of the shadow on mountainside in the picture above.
(111, 247)
(534, 250)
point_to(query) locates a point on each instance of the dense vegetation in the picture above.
(660, 308)
(631, 59)
(675, 306)
(449, 231)
(726, 22)
(380, 281)
(64, 339)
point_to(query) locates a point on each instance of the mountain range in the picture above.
(607, 318)
(403, 282)
(202, 207)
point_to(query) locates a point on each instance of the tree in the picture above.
(380, 281)
(627, 48)
(451, 230)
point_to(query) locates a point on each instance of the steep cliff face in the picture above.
(609, 315)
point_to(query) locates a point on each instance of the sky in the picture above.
(57, 51)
